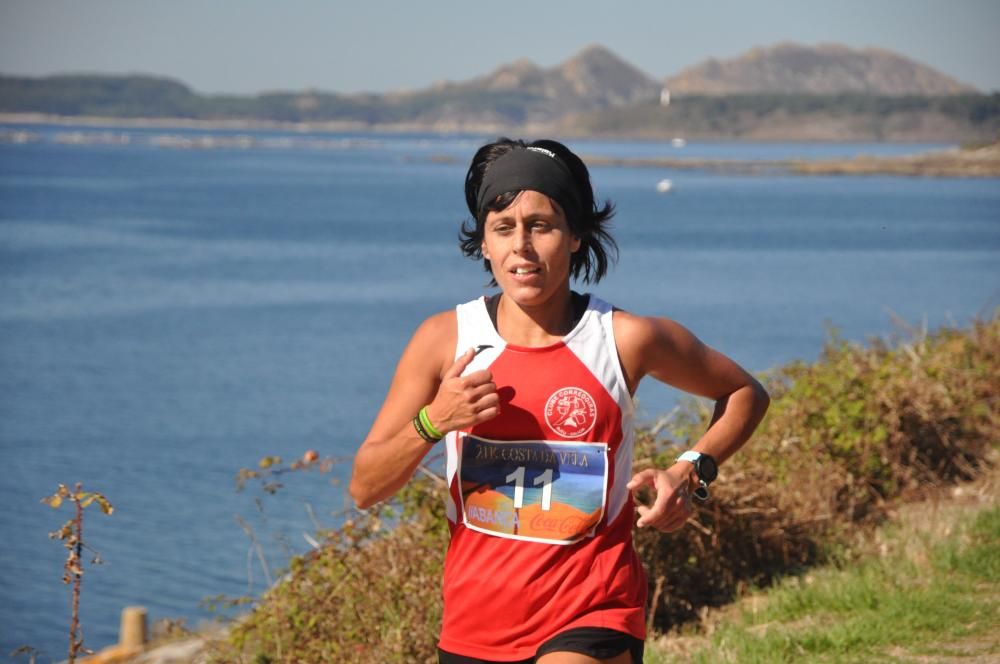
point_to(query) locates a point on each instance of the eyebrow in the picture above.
(502, 217)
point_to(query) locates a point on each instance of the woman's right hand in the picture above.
(464, 401)
(428, 374)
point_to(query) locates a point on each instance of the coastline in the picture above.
(329, 126)
(531, 129)
(973, 162)
(976, 162)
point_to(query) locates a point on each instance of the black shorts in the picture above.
(597, 642)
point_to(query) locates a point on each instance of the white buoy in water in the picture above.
(663, 186)
(678, 142)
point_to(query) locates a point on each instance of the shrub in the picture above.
(845, 436)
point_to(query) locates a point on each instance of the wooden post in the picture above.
(132, 633)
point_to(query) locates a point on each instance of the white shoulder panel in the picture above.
(475, 330)
(593, 341)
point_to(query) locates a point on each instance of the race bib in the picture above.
(535, 490)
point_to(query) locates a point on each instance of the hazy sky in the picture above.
(248, 46)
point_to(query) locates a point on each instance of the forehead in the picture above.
(529, 202)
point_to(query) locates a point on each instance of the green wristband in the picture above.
(428, 426)
(422, 432)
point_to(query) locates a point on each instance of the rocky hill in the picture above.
(824, 69)
(594, 79)
(784, 92)
(519, 94)
(600, 76)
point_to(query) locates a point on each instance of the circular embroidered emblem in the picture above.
(571, 412)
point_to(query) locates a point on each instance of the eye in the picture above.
(502, 229)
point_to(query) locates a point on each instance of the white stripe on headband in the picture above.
(547, 153)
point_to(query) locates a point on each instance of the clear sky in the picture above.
(249, 46)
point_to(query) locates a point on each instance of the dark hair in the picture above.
(597, 247)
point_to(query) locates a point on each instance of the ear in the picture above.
(575, 244)
(483, 251)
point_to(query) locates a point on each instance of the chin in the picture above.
(526, 295)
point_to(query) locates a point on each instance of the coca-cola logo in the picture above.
(571, 412)
(570, 525)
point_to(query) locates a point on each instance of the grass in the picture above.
(925, 588)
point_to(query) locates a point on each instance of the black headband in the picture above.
(531, 168)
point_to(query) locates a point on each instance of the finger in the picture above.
(672, 518)
(647, 476)
(678, 514)
(660, 505)
(487, 414)
(671, 526)
(461, 362)
(649, 516)
(666, 503)
(490, 400)
(477, 378)
(676, 521)
(643, 511)
(484, 390)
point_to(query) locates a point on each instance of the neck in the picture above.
(539, 325)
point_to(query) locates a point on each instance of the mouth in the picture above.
(523, 271)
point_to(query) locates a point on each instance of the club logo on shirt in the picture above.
(571, 412)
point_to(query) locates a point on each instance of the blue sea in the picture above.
(170, 315)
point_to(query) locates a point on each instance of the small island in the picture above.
(982, 161)
(976, 161)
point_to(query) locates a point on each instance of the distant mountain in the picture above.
(598, 75)
(825, 69)
(785, 92)
(121, 96)
(515, 95)
(523, 92)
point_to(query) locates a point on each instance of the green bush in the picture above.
(845, 436)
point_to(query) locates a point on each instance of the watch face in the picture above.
(706, 468)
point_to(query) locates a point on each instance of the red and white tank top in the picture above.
(541, 521)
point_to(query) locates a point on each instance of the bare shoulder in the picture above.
(433, 343)
(637, 334)
(443, 322)
(640, 340)
(667, 351)
(424, 361)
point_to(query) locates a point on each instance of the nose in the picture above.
(522, 239)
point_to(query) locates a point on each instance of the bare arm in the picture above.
(668, 352)
(427, 375)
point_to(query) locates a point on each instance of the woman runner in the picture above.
(531, 390)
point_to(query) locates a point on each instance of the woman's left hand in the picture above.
(672, 507)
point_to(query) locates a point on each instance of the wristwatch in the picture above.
(705, 467)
